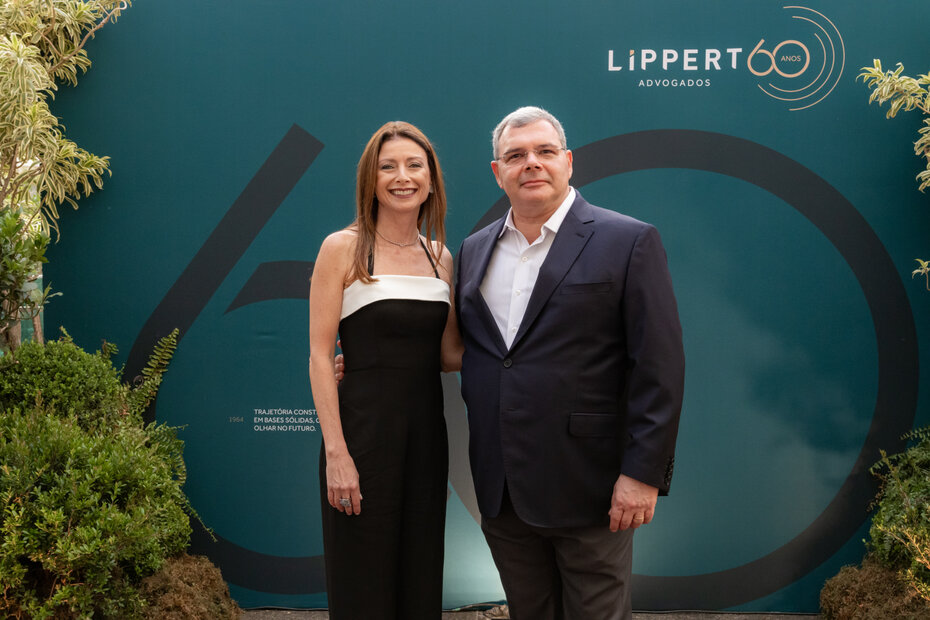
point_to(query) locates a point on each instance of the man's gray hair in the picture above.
(525, 116)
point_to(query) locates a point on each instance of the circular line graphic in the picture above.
(896, 397)
(833, 57)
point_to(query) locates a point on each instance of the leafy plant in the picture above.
(923, 269)
(151, 377)
(894, 579)
(69, 381)
(900, 532)
(41, 44)
(85, 516)
(20, 254)
(91, 499)
(904, 93)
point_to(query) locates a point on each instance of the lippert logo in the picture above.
(801, 71)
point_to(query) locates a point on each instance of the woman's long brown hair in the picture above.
(432, 215)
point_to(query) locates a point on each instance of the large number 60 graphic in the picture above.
(773, 56)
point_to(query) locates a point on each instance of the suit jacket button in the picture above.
(508, 363)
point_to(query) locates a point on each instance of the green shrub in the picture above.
(85, 516)
(900, 532)
(91, 499)
(71, 382)
(77, 384)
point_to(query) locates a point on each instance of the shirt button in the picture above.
(517, 292)
(508, 363)
(524, 259)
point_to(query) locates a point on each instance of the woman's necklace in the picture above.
(400, 245)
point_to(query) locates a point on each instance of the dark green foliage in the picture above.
(85, 515)
(91, 499)
(21, 253)
(900, 533)
(74, 383)
(71, 382)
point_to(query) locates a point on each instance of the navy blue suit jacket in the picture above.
(592, 385)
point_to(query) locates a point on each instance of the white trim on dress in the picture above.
(424, 288)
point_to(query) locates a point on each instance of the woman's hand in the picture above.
(342, 484)
(326, 290)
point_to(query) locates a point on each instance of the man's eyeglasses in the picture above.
(543, 153)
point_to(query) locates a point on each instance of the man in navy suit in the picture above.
(573, 375)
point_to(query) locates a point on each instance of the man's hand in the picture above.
(339, 366)
(632, 504)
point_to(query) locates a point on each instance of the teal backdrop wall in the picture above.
(787, 205)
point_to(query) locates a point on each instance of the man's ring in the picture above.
(345, 502)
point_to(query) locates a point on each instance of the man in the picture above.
(573, 375)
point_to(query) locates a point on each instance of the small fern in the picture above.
(148, 382)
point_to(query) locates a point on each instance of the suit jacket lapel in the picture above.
(482, 249)
(573, 235)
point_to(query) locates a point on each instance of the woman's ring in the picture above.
(345, 502)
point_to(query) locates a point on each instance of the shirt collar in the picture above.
(552, 224)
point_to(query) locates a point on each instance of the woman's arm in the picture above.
(326, 289)
(452, 348)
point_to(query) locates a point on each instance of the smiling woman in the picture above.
(403, 184)
(384, 460)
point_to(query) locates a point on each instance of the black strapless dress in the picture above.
(387, 561)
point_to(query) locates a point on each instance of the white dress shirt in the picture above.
(513, 269)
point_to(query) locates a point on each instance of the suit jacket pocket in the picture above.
(594, 424)
(586, 287)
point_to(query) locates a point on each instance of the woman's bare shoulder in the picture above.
(339, 243)
(337, 253)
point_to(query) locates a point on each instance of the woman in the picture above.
(385, 290)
